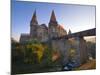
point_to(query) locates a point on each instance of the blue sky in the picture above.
(74, 17)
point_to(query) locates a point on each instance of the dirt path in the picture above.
(89, 65)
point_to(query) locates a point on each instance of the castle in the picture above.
(42, 32)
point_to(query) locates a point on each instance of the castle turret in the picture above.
(53, 20)
(34, 19)
(33, 25)
(69, 32)
(53, 25)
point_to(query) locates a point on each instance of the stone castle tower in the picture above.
(42, 32)
(55, 30)
(53, 25)
(33, 26)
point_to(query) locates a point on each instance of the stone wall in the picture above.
(81, 50)
(63, 47)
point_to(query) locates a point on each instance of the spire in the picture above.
(34, 18)
(53, 17)
(69, 32)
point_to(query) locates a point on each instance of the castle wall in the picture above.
(80, 47)
(63, 47)
(24, 37)
(42, 34)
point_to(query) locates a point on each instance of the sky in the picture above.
(74, 17)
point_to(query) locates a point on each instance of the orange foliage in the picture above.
(55, 56)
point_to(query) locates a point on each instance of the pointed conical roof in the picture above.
(34, 18)
(53, 17)
(69, 31)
